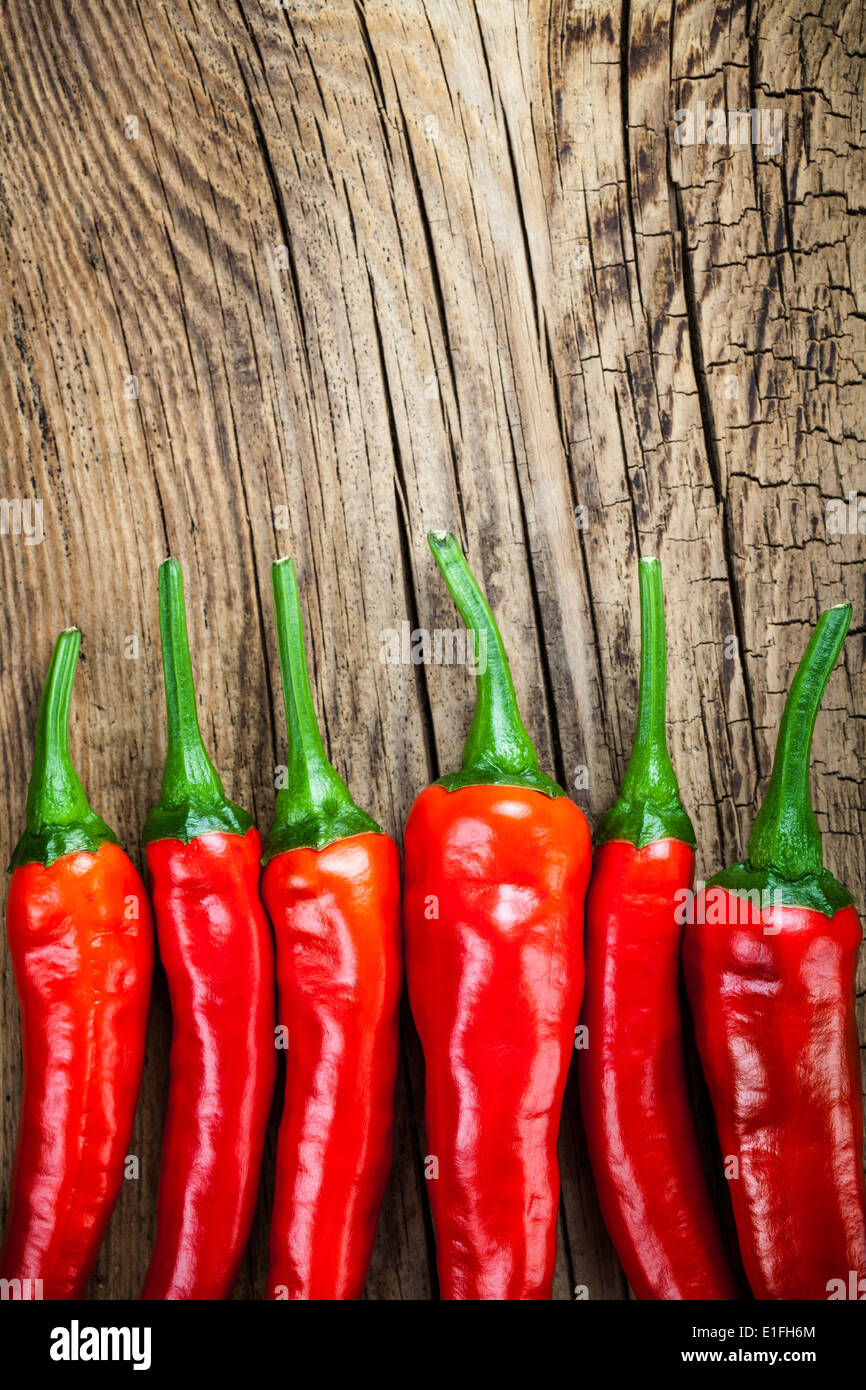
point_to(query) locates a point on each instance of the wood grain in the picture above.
(384, 265)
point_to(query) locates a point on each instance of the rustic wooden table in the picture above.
(314, 276)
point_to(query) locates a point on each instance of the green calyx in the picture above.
(191, 801)
(315, 807)
(498, 750)
(59, 818)
(648, 807)
(819, 892)
(784, 856)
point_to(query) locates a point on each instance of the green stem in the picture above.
(498, 749)
(59, 817)
(192, 801)
(648, 807)
(315, 807)
(784, 858)
(785, 835)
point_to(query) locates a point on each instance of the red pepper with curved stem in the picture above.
(332, 888)
(496, 865)
(81, 940)
(633, 1089)
(770, 961)
(215, 943)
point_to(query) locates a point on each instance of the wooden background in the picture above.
(388, 265)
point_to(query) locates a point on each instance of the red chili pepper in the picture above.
(203, 854)
(633, 1089)
(81, 940)
(770, 960)
(332, 888)
(496, 864)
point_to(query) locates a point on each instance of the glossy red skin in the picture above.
(633, 1089)
(336, 916)
(495, 983)
(83, 972)
(776, 1029)
(215, 944)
